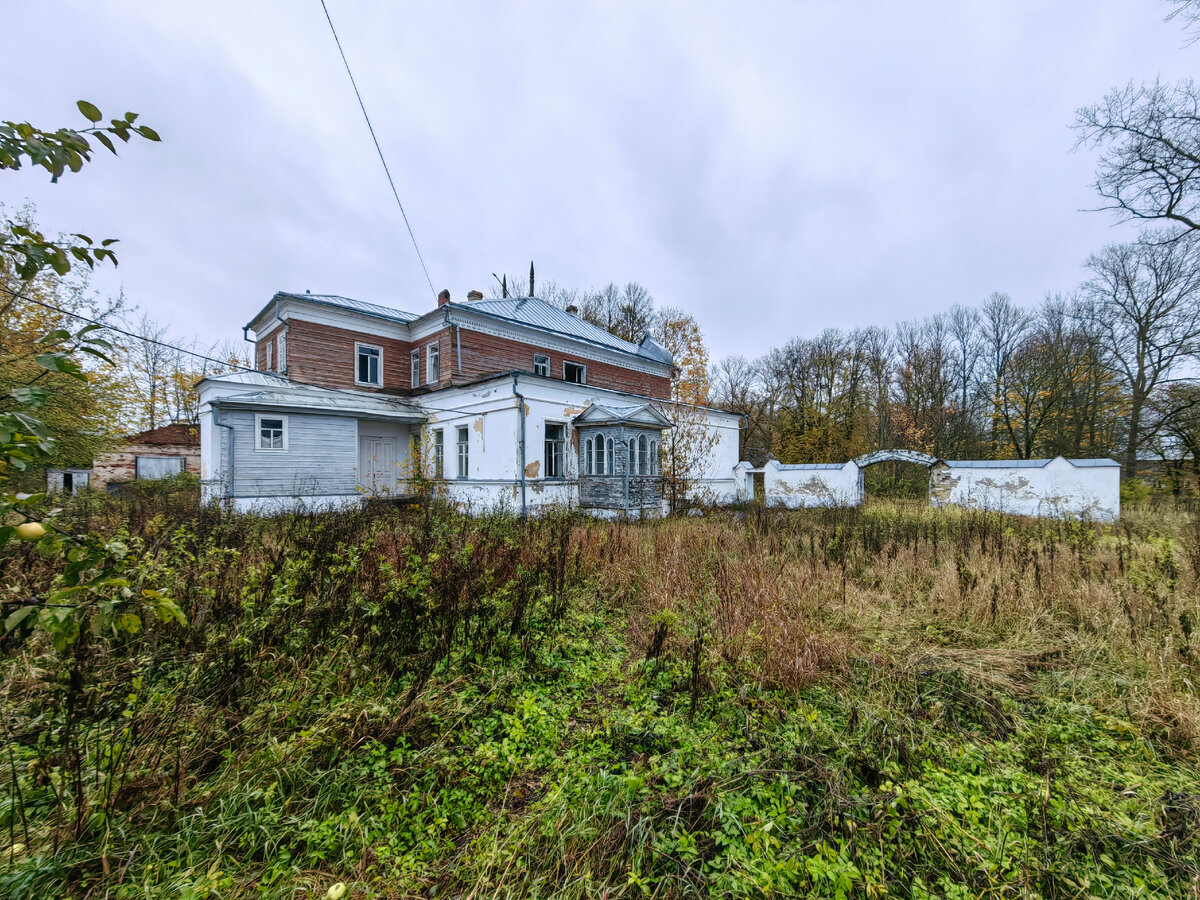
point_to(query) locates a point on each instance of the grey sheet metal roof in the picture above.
(1026, 463)
(337, 302)
(546, 317)
(643, 414)
(269, 390)
(371, 309)
(792, 467)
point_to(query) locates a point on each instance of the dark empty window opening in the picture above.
(574, 373)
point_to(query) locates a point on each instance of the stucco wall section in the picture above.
(1060, 487)
(797, 486)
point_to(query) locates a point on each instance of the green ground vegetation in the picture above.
(886, 702)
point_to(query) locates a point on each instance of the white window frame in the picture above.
(414, 368)
(462, 452)
(270, 351)
(359, 346)
(562, 455)
(433, 370)
(541, 364)
(177, 461)
(258, 417)
(439, 453)
(582, 368)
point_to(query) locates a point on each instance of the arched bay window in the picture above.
(600, 454)
(643, 456)
(587, 456)
(654, 463)
(609, 453)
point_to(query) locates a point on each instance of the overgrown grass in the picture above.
(888, 701)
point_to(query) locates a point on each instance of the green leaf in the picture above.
(89, 111)
(18, 616)
(148, 133)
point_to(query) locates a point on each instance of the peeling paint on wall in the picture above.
(531, 470)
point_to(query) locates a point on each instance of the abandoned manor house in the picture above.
(517, 404)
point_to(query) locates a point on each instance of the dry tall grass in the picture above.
(788, 598)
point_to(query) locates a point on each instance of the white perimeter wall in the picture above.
(811, 485)
(1058, 488)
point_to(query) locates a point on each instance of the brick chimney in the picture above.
(443, 298)
(472, 296)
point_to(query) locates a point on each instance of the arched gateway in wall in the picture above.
(912, 456)
(908, 456)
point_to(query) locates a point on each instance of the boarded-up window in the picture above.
(153, 468)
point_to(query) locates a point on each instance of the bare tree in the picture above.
(1149, 136)
(1004, 327)
(1145, 296)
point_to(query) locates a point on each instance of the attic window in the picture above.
(574, 373)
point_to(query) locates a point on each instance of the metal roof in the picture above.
(544, 316)
(274, 390)
(371, 309)
(644, 414)
(1026, 463)
(792, 467)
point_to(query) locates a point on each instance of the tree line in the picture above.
(1102, 370)
(1105, 369)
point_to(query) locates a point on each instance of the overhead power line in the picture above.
(229, 364)
(378, 149)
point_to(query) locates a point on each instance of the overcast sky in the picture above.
(774, 168)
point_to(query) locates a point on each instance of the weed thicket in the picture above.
(887, 701)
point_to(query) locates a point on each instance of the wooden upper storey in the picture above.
(338, 343)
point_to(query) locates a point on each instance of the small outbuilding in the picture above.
(150, 455)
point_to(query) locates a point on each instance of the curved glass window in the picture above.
(609, 454)
(654, 465)
(643, 456)
(587, 456)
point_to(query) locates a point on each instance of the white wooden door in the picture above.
(377, 464)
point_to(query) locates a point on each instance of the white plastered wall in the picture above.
(797, 486)
(1059, 488)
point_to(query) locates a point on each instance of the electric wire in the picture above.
(229, 364)
(378, 149)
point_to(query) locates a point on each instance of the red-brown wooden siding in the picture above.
(484, 354)
(324, 355)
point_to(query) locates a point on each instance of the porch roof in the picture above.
(645, 415)
(265, 390)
